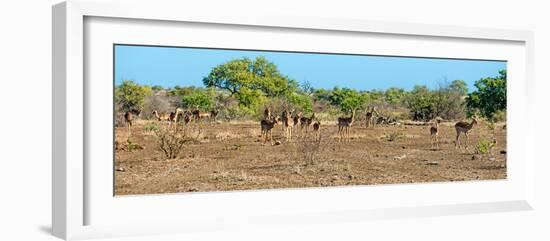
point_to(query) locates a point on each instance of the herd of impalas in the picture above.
(291, 120)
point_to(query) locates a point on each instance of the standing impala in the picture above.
(371, 118)
(130, 116)
(267, 128)
(344, 126)
(286, 118)
(434, 132)
(306, 122)
(464, 127)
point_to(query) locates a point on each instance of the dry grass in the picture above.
(229, 156)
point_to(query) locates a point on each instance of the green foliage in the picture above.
(251, 80)
(182, 91)
(237, 113)
(131, 95)
(490, 96)
(157, 87)
(446, 101)
(394, 96)
(346, 99)
(250, 98)
(131, 146)
(421, 103)
(151, 127)
(301, 102)
(201, 99)
(484, 146)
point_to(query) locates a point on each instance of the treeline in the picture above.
(242, 88)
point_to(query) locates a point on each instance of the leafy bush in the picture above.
(446, 101)
(237, 113)
(484, 146)
(421, 103)
(346, 99)
(131, 95)
(301, 102)
(395, 96)
(151, 127)
(199, 99)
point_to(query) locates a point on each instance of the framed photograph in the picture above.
(176, 121)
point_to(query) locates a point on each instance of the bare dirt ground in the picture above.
(230, 156)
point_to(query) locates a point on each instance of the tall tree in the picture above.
(490, 96)
(248, 80)
(131, 95)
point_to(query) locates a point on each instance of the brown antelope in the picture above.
(267, 114)
(177, 113)
(130, 116)
(464, 127)
(305, 122)
(186, 115)
(317, 130)
(199, 115)
(164, 116)
(344, 126)
(213, 114)
(286, 118)
(296, 120)
(369, 117)
(434, 132)
(266, 129)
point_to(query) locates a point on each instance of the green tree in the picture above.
(394, 95)
(490, 96)
(131, 95)
(449, 99)
(250, 80)
(200, 99)
(421, 103)
(302, 101)
(182, 91)
(322, 95)
(346, 99)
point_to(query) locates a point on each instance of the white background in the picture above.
(25, 99)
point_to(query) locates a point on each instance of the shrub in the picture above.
(198, 99)
(237, 113)
(172, 140)
(485, 146)
(151, 127)
(131, 95)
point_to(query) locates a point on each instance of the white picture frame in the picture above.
(73, 191)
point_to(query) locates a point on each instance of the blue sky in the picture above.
(171, 66)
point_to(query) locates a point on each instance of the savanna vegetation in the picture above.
(242, 88)
(207, 138)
